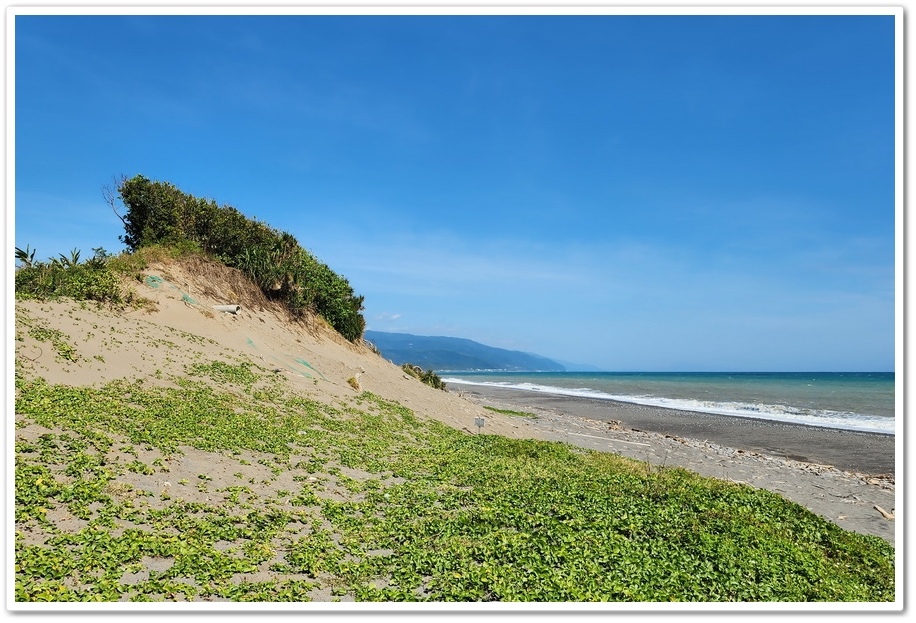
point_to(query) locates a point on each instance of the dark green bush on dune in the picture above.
(160, 213)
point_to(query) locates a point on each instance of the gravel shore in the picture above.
(846, 477)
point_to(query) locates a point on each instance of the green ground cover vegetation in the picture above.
(380, 505)
(511, 412)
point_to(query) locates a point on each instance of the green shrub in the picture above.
(427, 376)
(92, 280)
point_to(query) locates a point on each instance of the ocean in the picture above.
(860, 401)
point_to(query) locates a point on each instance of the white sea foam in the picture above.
(774, 412)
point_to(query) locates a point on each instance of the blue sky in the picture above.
(629, 192)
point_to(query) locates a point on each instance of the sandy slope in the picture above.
(184, 328)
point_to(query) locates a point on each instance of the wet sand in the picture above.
(845, 476)
(867, 453)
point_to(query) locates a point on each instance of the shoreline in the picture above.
(843, 476)
(854, 451)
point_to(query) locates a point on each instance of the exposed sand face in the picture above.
(185, 329)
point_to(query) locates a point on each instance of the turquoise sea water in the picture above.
(863, 401)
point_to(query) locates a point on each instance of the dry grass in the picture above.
(217, 281)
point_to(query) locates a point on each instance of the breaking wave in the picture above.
(775, 412)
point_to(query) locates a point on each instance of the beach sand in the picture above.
(843, 476)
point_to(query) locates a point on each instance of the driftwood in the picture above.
(886, 514)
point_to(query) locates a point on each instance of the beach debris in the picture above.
(634, 443)
(885, 482)
(884, 513)
(153, 281)
(231, 309)
(305, 363)
(353, 381)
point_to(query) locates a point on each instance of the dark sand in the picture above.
(866, 453)
(843, 476)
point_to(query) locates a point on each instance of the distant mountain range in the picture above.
(456, 354)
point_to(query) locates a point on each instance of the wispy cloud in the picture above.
(439, 265)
